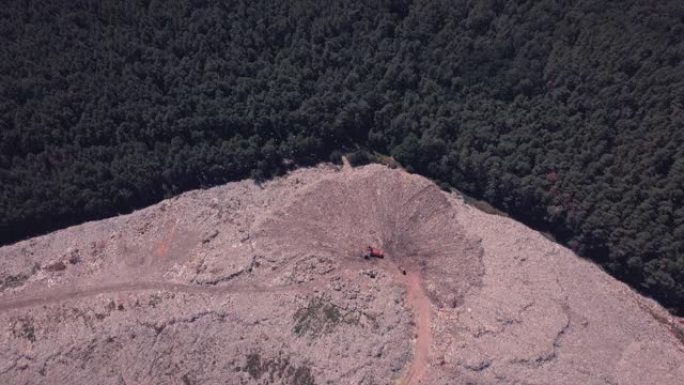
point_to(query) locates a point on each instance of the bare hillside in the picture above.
(247, 284)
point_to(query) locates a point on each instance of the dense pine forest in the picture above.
(568, 115)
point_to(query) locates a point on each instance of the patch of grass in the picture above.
(253, 365)
(322, 316)
(277, 370)
(332, 314)
(13, 281)
(23, 328)
(303, 376)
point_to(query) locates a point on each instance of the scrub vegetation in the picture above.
(321, 316)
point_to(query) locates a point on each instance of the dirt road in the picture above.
(419, 302)
(71, 293)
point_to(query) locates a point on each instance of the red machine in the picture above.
(375, 253)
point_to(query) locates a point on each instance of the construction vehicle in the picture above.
(373, 252)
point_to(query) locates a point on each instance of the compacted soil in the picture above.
(267, 284)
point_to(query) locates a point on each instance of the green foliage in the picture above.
(566, 115)
(321, 316)
(277, 369)
(359, 157)
(253, 365)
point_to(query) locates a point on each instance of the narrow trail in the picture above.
(70, 293)
(419, 302)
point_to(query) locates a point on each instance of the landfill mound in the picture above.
(267, 284)
(410, 218)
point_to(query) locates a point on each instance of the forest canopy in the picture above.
(568, 115)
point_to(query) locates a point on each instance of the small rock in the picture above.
(377, 350)
(207, 238)
(23, 363)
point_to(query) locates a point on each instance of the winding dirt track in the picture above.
(66, 294)
(416, 299)
(419, 302)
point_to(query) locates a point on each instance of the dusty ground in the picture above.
(247, 284)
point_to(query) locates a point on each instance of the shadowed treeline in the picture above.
(565, 114)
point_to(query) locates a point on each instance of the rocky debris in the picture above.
(246, 284)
